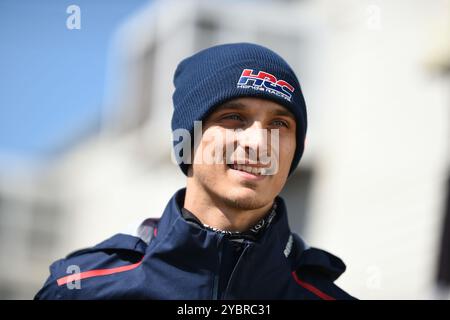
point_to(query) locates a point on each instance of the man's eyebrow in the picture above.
(283, 112)
(236, 105)
(232, 105)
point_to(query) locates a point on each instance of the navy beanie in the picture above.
(224, 72)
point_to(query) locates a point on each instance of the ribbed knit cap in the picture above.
(221, 73)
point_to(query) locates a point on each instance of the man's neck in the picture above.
(213, 212)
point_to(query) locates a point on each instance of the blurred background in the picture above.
(85, 140)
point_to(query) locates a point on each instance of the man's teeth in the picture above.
(252, 170)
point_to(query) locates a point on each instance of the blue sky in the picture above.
(52, 79)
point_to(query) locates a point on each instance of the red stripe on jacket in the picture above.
(96, 273)
(311, 288)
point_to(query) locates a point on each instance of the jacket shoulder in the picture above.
(317, 270)
(119, 251)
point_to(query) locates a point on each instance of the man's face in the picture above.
(236, 136)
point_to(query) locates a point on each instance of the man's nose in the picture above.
(254, 140)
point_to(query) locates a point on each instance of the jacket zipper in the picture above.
(244, 252)
(217, 274)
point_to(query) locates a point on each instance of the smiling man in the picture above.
(226, 235)
(236, 191)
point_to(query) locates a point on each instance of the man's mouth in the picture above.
(257, 171)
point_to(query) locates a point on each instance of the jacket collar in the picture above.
(178, 236)
(277, 230)
(192, 247)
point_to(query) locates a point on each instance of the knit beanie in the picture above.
(221, 73)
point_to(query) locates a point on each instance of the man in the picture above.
(226, 235)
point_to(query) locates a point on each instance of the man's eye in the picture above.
(233, 117)
(280, 123)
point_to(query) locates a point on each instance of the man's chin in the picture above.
(244, 198)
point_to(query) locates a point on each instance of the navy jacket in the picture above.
(175, 259)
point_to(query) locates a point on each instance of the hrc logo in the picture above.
(263, 81)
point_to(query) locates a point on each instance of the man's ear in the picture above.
(190, 171)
